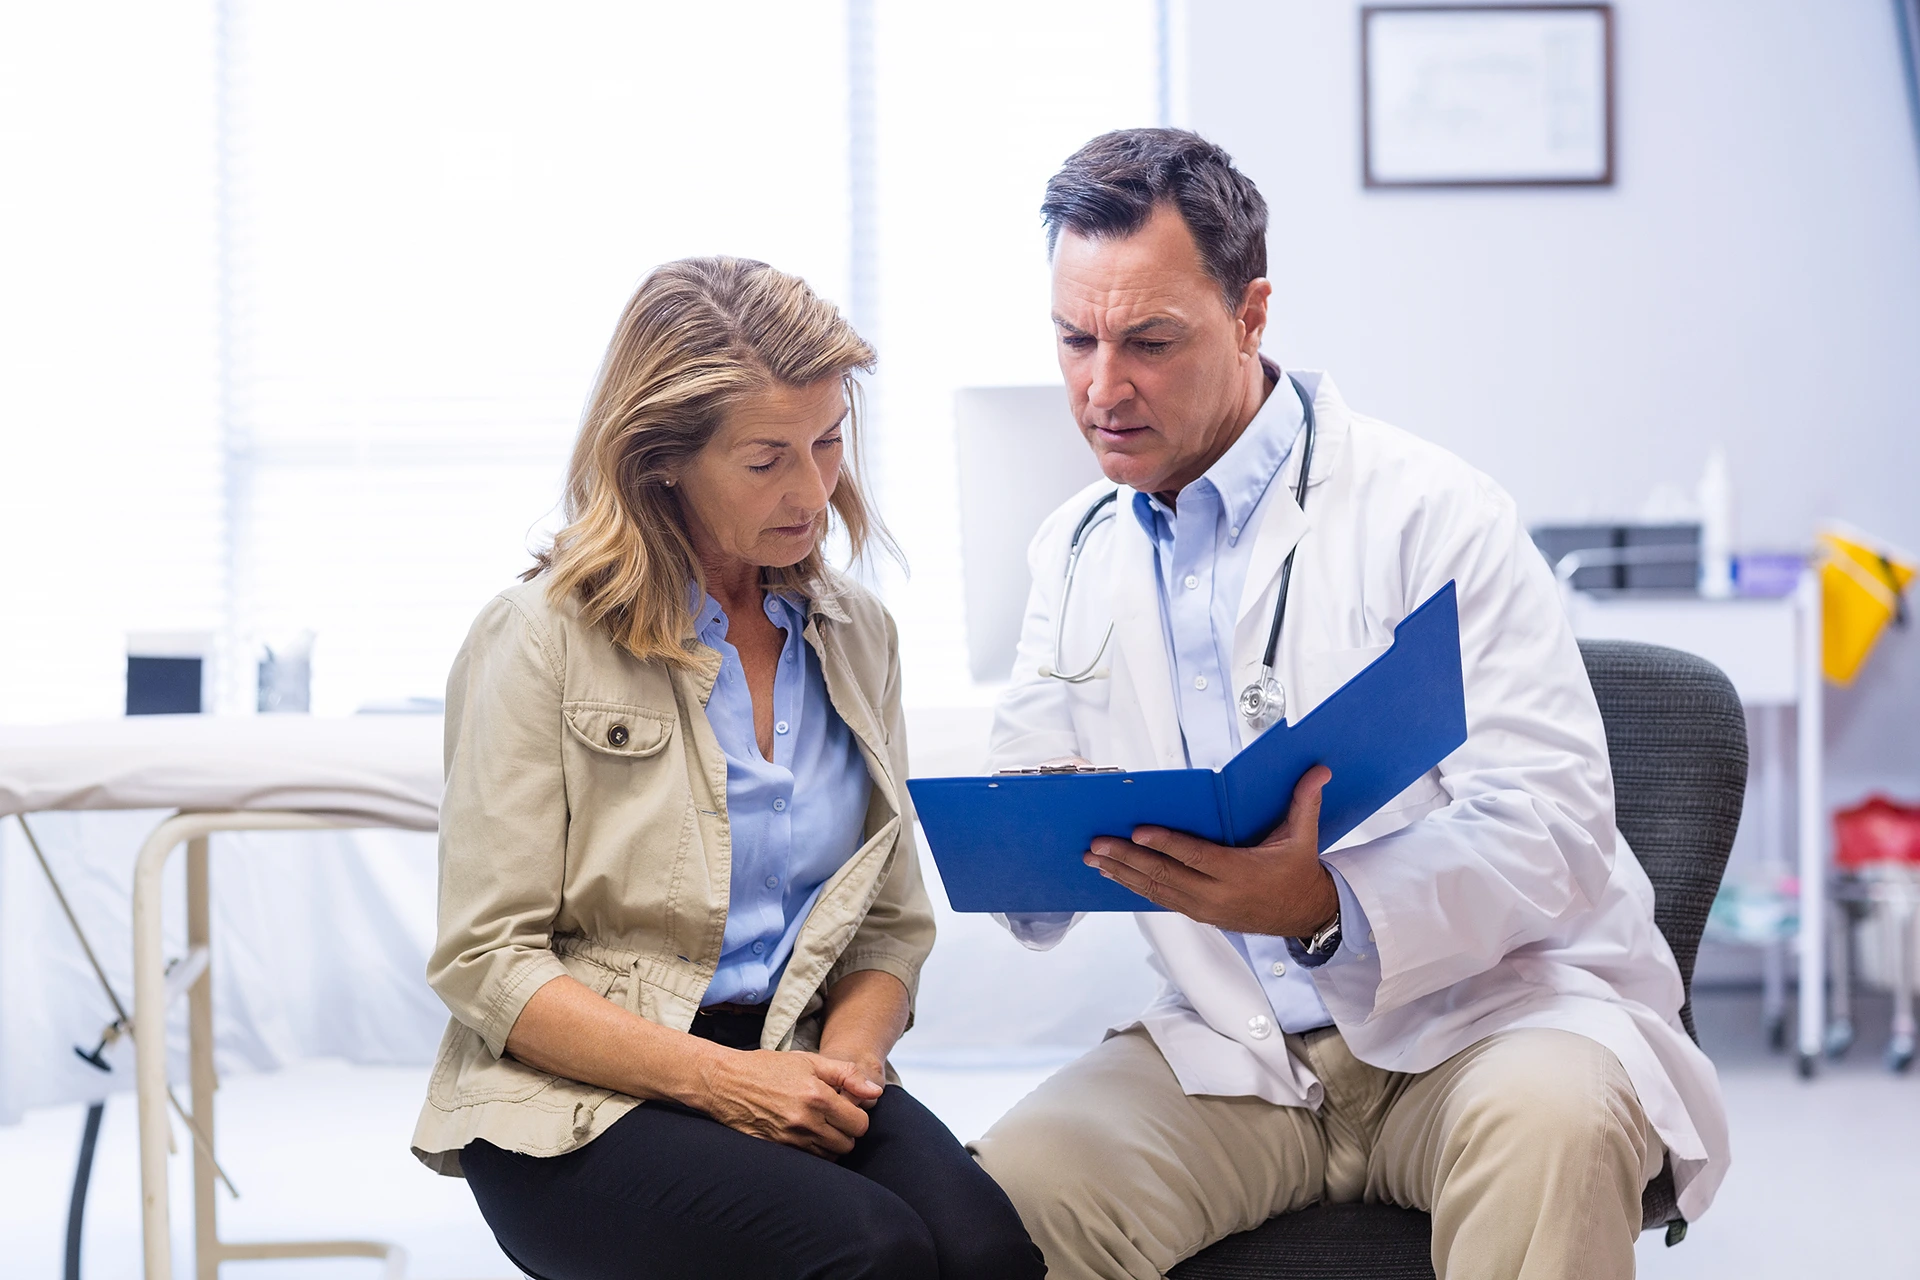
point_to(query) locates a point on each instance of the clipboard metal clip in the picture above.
(1060, 768)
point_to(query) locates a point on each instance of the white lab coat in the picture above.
(1499, 892)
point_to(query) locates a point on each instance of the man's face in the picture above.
(1157, 367)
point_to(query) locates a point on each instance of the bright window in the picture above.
(307, 307)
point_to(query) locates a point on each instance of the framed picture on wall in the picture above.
(1486, 95)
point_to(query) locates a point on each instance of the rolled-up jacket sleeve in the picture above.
(897, 934)
(503, 824)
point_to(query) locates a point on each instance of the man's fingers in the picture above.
(1303, 814)
(1156, 867)
(1159, 891)
(1191, 850)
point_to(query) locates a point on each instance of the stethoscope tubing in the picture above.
(1299, 500)
(1101, 510)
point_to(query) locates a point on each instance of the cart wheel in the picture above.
(1806, 1066)
(1839, 1037)
(1900, 1056)
(1777, 1034)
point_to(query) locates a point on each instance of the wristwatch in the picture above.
(1326, 939)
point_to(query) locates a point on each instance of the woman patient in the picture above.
(681, 914)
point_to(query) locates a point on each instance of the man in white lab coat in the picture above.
(1464, 1006)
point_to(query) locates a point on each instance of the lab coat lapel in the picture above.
(1282, 523)
(1141, 638)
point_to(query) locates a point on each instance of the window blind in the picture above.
(434, 213)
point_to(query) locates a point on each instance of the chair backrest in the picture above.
(1678, 741)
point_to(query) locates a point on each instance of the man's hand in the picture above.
(1277, 887)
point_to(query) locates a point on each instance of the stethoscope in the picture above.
(1263, 702)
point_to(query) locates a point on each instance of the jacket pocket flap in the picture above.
(618, 729)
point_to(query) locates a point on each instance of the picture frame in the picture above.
(1477, 95)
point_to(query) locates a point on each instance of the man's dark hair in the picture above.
(1110, 187)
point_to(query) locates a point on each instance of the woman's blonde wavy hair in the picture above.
(699, 336)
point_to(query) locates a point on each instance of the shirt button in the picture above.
(1192, 582)
(1200, 682)
(779, 806)
(1259, 1026)
(1279, 969)
(773, 882)
(617, 736)
(1234, 532)
(759, 948)
(780, 727)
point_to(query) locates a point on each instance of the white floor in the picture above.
(1826, 1178)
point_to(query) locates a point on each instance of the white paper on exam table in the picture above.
(320, 937)
(382, 769)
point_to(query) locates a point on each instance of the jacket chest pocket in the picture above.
(630, 820)
(615, 756)
(618, 729)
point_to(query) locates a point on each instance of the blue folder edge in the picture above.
(1014, 843)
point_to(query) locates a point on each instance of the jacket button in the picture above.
(1259, 1026)
(617, 736)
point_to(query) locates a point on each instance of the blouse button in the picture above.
(617, 736)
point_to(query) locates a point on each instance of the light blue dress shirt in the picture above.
(1202, 547)
(795, 819)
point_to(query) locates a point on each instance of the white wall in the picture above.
(1752, 279)
(110, 501)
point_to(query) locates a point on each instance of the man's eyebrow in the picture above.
(1132, 331)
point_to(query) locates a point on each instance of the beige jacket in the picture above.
(584, 831)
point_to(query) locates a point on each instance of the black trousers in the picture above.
(670, 1192)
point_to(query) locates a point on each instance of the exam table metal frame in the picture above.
(152, 994)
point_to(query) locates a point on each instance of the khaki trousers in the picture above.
(1529, 1150)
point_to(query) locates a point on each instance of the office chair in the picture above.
(1678, 742)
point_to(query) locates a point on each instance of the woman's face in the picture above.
(757, 493)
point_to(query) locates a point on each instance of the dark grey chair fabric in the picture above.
(1677, 738)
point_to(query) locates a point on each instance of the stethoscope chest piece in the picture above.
(1264, 702)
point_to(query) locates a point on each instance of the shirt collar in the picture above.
(1243, 473)
(788, 611)
(710, 622)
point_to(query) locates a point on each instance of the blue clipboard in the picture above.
(1013, 843)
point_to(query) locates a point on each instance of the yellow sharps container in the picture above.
(1861, 585)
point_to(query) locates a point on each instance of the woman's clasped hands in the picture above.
(804, 1100)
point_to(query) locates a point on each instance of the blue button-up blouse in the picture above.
(795, 818)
